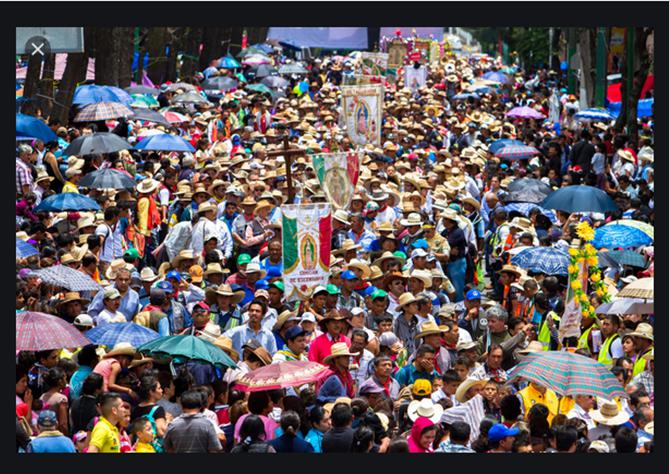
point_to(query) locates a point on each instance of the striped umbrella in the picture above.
(281, 375)
(547, 260)
(570, 374)
(68, 278)
(642, 226)
(102, 111)
(24, 249)
(42, 332)
(620, 236)
(594, 113)
(111, 334)
(517, 152)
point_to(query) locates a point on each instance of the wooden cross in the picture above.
(288, 152)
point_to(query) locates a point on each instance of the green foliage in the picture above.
(531, 44)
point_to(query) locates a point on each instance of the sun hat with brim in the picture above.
(465, 346)
(450, 214)
(338, 349)
(375, 273)
(413, 219)
(254, 267)
(147, 185)
(386, 256)
(510, 269)
(341, 216)
(206, 207)
(534, 346)
(213, 269)
(608, 413)
(429, 328)
(347, 245)
(186, 254)
(423, 275)
(140, 362)
(123, 348)
(425, 408)
(225, 344)
(360, 265)
(463, 388)
(72, 296)
(224, 290)
(643, 330)
(405, 299)
(283, 318)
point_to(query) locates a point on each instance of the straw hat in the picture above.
(147, 275)
(347, 245)
(405, 299)
(425, 408)
(115, 266)
(224, 290)
(123, 348)
(337, 350)
(375, 273)
(206, 207)
(643, 330)
(428, 328)
(72, 296)
(413, 219)
(249, 201)
(284, 317)
(225, 344)
(342, 216)
(147, 186)
(213, 269)
(423, 275)
(42, 175)
(463, 388)
(626, 155)
(386, 256)
(608, 413)
(511, 269)
(360, 265)
(186, 254)
(139, 362)
(263, 205)
(472, 202)
(450, 214)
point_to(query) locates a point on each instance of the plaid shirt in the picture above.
(24, 176)
(448, 447)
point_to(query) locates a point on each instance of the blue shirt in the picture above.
(365, 240)
(408, 374)
(315, 439)
(129, 304)
(77, 380)
(241, 334)
(51, 444)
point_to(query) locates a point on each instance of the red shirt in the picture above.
(319, 348)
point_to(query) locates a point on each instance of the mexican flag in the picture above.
(306, 236)
(338, 174)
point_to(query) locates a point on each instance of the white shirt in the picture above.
(106, 317)
(206, 228)
(360, 374)
(581, 414)
(440, 395)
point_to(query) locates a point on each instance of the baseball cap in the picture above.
(262, 285)
(132, 254)
(261, 293)
(202, 305)
(348, 275)
(295, 331)
(332, 289)
(243, 259)
(47, 419)
(422, 388)
(357, 311)
(379, 294)
(196, 273)
(84, 320)
(308, 317)
(420, 244)
(369, 386)
(165, 286)
(319, 289)
(370, 290)
(174, 274)
(473, 295)
(111, 293)
(419, 252)
(499, 431)
(278, 285)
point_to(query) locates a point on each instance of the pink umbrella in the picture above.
(525, 113)
(281, 375)
(41, 332)
(175, 117)
(256, 59)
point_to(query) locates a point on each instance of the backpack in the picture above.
(157, 442)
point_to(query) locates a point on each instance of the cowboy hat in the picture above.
(511, 269)
(72, 296)
(463, 388)
(338, 349)
(608, 413)
(348, 245)
(206, 207)
(534, 346)
(224, 290)
(425, 408)
(428, 328)
(413, 219)
(186, 254)
(147, 186)
(214, 269)
(86, 221)
(385, 226)
(404, 300)
(375, 273)
(42, 175)
(283, 318)
(147, 275)
(115, 266)
(472, 202)
(255, 267)
(423, 275)
(450, 214)
(643, 330)
(225, 344)
(263, 205)
(360, 265)
(387, 256)
(139, 362)
(342, 216)
(123, 348)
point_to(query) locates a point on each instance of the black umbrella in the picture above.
(264, 70)
(102, 142)
(219, 83)
(107, 179)
(580, 199)
(275, 82)
(142, 90)
(528, 190)
(148, 115)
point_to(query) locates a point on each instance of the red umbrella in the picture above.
(41, 332)
(281, 375)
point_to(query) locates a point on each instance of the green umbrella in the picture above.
(259, 88)
(144, 101)
(187, 347)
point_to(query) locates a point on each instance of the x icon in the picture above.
(37, 49)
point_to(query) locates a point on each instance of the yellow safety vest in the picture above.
(640, 363)
(604, 357)
(583, 340)
(531, 396)
(544, 336)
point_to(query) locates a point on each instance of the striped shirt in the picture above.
(24, 176)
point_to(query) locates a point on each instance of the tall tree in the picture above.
(586, 46)
(46, 85)
(212, 39)
(156, 41)
(75, 73)
(32, 76)
(106, 49)
(125, 56)
(191, 38)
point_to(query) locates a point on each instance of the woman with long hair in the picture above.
(252, 437)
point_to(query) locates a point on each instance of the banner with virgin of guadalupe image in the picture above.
(338, 174)
(373, 64)
(362, 107)
(306, 235)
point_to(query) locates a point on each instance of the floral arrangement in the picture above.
(586, 254)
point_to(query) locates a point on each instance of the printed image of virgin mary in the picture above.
(308, 253)
(361, 118)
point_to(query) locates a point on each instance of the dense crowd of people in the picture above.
(424, 316)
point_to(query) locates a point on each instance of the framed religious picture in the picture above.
(397, 53)
(422, 45)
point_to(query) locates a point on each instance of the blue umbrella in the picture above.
(623, 257)
(29, 126)
(525, 207)
(67, 202)
(264, 47)
(594, 113)
(228, 62)
(499, 144)
(580, 198)
(164, 142)
(497, 77)
(465, 96)
(67, 277)
(24, 249)
(547, 260)
(620, 236)
(91, 94)
(111, 334)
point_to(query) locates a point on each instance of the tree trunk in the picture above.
(642, 58)
(106, 56)
(157, 67)
(75, 72)
(125, 56)
(32, 76)
(171, 66)
(212, 39)
(45, 88)
(586, 48)
(190, 57)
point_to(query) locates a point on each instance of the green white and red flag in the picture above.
(338, 174)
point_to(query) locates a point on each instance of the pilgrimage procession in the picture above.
(410, 248)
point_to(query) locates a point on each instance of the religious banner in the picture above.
(362, 107)
(415, 78)
(397, 52)
(373, 64)
(423, 46)
(435, 52)
(306, 236)
(361, 80)
(570, 323)
(338, 174)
